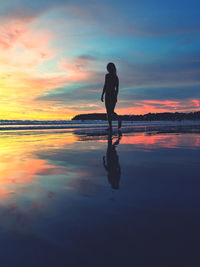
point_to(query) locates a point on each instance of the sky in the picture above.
(54, 56)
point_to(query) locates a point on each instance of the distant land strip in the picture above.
(166, 116)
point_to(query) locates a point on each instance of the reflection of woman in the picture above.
(111, 163)
(110, 89)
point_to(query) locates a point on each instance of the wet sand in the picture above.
(77, 198)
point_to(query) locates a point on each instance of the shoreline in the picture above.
(93, 129)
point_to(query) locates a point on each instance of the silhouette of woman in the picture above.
(111, 162)
(110, 89)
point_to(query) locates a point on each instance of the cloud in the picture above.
(54, 53)
(75, 71)
(178, 71)
(132, 18)
(153, 106)
(144, 87)
(21, 45)
(173, 93)
(173, 79)
(74, 92)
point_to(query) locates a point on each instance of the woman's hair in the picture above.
(111, 68)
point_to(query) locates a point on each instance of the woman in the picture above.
(111, 162)
(110, 89)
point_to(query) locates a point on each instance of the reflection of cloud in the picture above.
(143, 139)
(84, 187)
(17, 219)
(156, 141)
(18, 166)
(21, 169)
(67, 165)
(22, 194)
(51, 194)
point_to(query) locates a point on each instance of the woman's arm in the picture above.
(104, 88)
(117, 87)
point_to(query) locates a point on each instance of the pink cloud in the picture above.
(68, 71)
(196, 102)
(155, 106)
(20, 45)
(74, 70)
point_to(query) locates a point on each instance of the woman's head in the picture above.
(111, 68)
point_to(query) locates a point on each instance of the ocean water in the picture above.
(89, 124)
(81, 197)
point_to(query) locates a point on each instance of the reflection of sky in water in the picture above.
(56, 200)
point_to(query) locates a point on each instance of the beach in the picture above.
(81, 197)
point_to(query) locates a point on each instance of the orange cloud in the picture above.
(23, 50)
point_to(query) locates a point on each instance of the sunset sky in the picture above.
(54, 54)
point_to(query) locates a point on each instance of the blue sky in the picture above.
(60, 49)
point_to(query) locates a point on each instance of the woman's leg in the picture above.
(109, 112)
(119, 122)
(117, 117)
(109, 117)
